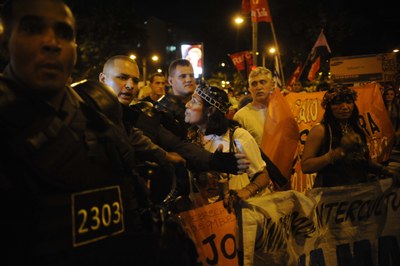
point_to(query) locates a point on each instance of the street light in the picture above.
(154, 58)
(238, 22)
(271, 51)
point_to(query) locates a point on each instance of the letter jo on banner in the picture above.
(213, 230)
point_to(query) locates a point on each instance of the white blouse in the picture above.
(244, 143)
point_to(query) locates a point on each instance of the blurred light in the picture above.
(223, 64)
(171, 48)
(78, 82)
(239, 20)
(132, 56)
(159, 70)
(154, 58)
(395, 50)
(272, 50)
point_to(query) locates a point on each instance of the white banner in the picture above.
(347, 225)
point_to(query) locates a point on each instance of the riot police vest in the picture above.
(66, 188)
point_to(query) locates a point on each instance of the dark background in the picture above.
(106, 28)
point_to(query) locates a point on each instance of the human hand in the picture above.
(351, 142)
(229, 162)
(242, 163)
(241, 159)
(336, 154)
(231, 200)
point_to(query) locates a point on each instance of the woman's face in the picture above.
(389, 96)
(342, 107)
(194, 110)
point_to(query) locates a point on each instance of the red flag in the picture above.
(321, 41)
(238, 60)
(314, 69)
(246, 7)
(281, 133)
(259, 11)
(295, 76)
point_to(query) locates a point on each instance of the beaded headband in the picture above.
(338, 90)
(213, 97)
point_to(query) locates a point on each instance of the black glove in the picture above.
(224, 162)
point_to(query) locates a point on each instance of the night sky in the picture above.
(352, 27)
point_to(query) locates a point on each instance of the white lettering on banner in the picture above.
(237, 60)
(308, 110)
(325, 226)
(356, 210)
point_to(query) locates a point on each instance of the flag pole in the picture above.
(305, 63)
(254, 27)
(279, 53)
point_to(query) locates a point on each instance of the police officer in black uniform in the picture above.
(68, 192)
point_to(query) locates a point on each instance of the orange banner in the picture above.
(307, 110)
(213, 230)
(280, 136)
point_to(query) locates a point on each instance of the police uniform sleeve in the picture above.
(145, 148)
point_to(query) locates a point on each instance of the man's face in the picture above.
(297, 87)
(42, 46)
(260, 88)
(123, 77)
(158, 86)
(182, 81)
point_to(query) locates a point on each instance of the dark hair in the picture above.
(177, 62)
(385, 91)
(339, 90)
(216, 104)
(329, 119)
(157, 74)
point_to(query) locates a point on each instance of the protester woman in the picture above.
(393, 109)
(337, 148)
(206, 112)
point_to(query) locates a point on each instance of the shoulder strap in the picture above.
(100, 97)
(232, 145)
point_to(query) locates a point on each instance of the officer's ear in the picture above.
(102, 77)
(170, 80)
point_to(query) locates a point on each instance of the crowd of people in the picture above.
(95, 173)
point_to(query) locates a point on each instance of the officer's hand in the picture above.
(228, 162)
(242, 163)
(241, 160)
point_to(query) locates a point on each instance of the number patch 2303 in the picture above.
(96, 214)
